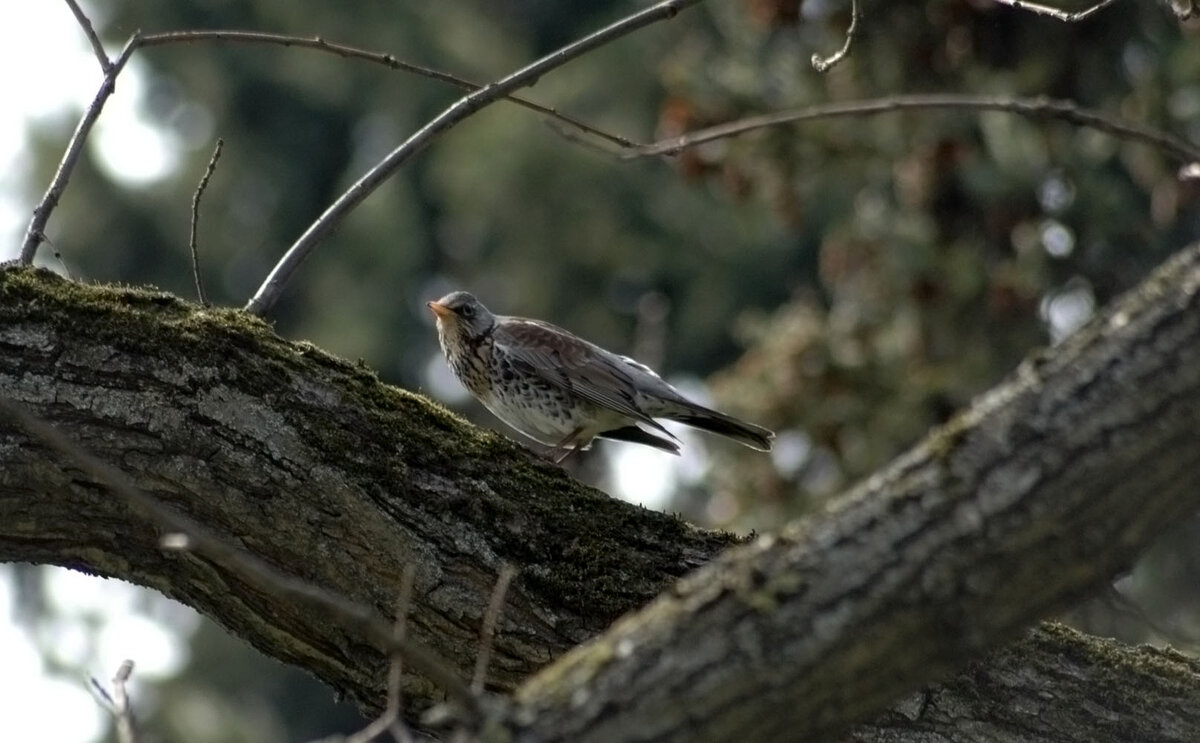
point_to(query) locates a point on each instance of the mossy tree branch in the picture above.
(1036, 495)
(1054, 684)
(315, 466)
(1044, 490)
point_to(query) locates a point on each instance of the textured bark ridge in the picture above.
(1044, 489)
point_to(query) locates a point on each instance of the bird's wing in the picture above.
(639, 436)
(573, 364)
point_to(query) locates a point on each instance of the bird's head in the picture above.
(461, 318)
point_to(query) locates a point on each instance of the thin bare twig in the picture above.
(1057, 13)
(1031, 107)
(122, 709)
(383, 58)
(90, 32)
(351, 615)
(272, 287)
(192, 242)
(395, 700)
(823, 64)
(487, 631)
(389, 721)
(100, 692)
(117, 702)
(35, 233)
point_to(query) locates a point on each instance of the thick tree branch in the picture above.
(1043, 490)
(1053, 685)
(317, 468)
(184, 533)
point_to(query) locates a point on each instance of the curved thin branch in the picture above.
(35, 232)
(383, 58)
(1031, 107)
(268, 293)
(193, 237)
(824, 64)
(1057, 13)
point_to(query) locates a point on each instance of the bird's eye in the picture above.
(467, 311)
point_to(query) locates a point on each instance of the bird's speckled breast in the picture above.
(470, 364)
(519, 396)
(530, 404)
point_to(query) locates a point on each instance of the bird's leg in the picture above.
(559, 459)
(566, 444)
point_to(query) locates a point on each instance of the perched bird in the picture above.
(559, 389)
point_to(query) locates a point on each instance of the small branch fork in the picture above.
(823, 64)
(90, 32)
(118, 703)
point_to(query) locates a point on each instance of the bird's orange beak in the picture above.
(439, 309)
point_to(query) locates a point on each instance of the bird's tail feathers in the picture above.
(748, 434)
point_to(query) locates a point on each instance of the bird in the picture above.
(561, 390)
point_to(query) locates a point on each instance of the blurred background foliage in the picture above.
(849, 282)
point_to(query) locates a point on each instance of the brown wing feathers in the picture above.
(573, 364)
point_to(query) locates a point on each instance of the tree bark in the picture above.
(314, 465)
(1053, 685)
(1043, 490)
(1038, 494)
